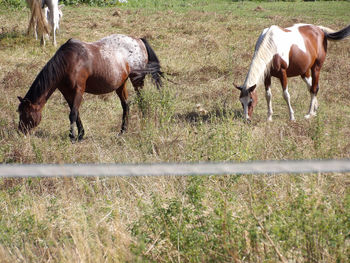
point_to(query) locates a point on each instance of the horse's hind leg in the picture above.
(123, 95)
(35, 29)
(315, 72)
(313, 104)
(54, 23)
(137, 82)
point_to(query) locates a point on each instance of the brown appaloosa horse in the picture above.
(287, 52)
(98, 68)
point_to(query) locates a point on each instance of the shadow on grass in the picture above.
(194, 117)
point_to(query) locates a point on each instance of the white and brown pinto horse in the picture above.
(299, 50)
(45, 17)
(97, 68)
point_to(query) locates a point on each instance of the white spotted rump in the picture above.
(119, 47)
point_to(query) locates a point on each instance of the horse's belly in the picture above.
(296, 68)
(299, 61)
(100, 86)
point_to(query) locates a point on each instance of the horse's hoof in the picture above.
(121, 132)
(72, 138)
(308, 116)
(81, 136)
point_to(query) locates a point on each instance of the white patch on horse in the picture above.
(124, 47)
(245, 101)
(308, 82)
(53, 15)
(273, 40)
(287, 39)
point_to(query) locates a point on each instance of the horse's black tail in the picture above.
(153, 65)
(338, 35)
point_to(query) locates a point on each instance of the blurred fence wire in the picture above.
(176, 169)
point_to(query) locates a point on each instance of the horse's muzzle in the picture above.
(23, 128)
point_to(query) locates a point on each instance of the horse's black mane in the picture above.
(55, 69)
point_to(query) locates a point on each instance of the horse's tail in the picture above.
(332, 35)
(38, 18)
(153, 65)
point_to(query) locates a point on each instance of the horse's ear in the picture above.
(252, 88)
(237, 87)
(23, 100)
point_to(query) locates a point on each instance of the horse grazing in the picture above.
(45, 17)
(287, 52)
(97, 68)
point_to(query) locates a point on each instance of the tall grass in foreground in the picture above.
(302, 218)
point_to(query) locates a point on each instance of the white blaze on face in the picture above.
(245, 102)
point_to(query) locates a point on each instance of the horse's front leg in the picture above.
(268, 96)
(123, 95)
(286, 96)
(81, 131)
(74, 117)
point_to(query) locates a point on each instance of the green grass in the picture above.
(204, 47)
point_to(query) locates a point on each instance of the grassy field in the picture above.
(204, 47)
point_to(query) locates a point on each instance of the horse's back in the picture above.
(106, 63)
(131, 49)
(300, 43)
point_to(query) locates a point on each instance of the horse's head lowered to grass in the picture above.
(29, 115)
(97, 67)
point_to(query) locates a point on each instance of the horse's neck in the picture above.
(260, 66)
(40, 98)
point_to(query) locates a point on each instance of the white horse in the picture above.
(53, 14)
(45, 17)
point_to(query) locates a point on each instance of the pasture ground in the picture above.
(204, 47)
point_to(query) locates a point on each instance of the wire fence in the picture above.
(176, 169)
